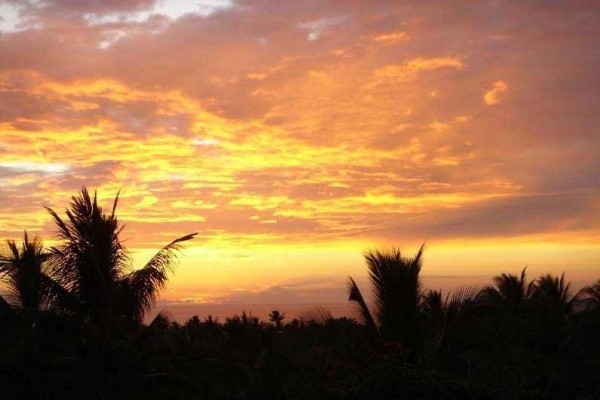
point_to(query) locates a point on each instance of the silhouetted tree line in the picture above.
(71, 326)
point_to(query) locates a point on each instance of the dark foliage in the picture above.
(70, 327)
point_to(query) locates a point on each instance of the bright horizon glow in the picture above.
(293, 138)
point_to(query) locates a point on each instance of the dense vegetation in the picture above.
(71, 327)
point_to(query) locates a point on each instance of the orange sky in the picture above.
(293, 135)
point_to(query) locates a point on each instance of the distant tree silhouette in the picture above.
(94, 266)
(397, 293)
(552, 293)
(510, 292)
(588, 298)
(277, 318)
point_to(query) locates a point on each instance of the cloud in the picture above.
(32, 166)
(392, 37)
(318, 28)
(65, 7)
(496, 94)
(409, 69)
(226, 121)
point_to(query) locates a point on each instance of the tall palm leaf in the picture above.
(366, 317)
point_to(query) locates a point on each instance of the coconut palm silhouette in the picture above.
(96, 270)
(553, 293)
(23, 271)
(510, 292)
(397, 292)
(277, 317)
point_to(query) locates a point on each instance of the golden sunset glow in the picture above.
(295, 135)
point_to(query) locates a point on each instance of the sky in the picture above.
(295, 135)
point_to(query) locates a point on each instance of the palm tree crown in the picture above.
(397, 293)
(94, 267)
(553, 293)
(510, 292)
(22, 271)
(277, 318)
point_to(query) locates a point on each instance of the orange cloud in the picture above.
(408, 70)
(288, 134)
(496, 94)
(392, 37)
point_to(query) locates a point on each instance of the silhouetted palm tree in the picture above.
(510, 292)
(22, 270)
(553, 293)
(397, 293)
(95, 268)
(277, 318)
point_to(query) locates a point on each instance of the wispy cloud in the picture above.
(32, 166)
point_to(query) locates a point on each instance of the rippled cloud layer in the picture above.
(269, 123)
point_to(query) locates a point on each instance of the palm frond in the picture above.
(144, 284)
(316, 315)
(397, 292)
(433, 304)
(115, 202)
(453, 310)
(510, 292)
(63, 229)
(58, 298)
(588, 298)
(554, 293)
(463, 300)
(161, 321)
(355, 295)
